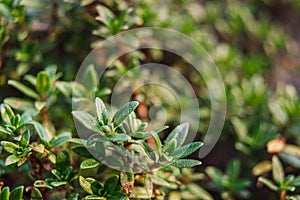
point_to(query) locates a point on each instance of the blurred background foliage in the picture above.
(255, 45)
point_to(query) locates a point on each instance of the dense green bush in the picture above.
(42, 45)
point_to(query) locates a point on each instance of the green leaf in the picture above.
(4, 131)
(96, 186)
(40, 148)
(214, 173)
(30, 79)
(11, 160)
(94, 197)
(64, 87)
(82, 151)
(9, 146)
(268, 183)
(170, 147)
(90, 78)
(124, 112)
(62, 161)
(89, 163)
(233, 169)
(296, 181)
(18, 103)
(4, 194)
(43, 82)
(86, 184)
(42, 184)
(161, 182)
(178, 134)
(199, 192)
(87, 120)
(57, 174)
(186, 163)
(60, 139)
(118, 137)
(111, 184)
(36, 194)
(142, 127)
(17, 193)
(160, 129)
(277, 169)
(142, 135)
(101, 111)
(186, 150)
(117, 196)
(6, 113)
(290, 159)
(42, 133)
(25, 138)
(24, 89)
(148, 185)
(58, 183)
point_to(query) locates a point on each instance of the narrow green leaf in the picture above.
(4, 194)
(124, 112)
(278, 173)
(30, 79)
(43, 82)
(101, 111)
(148, 185)
(268, 183)
(214, 173)
(161, 129)
(233, 169)
(17, 193)
(199, 192)
(87, 120)
(179, 134)
(6, 113)
(18, 103)
(24, 89)
(89, 163)
(170, 147)
(186, 150)
(161, 182)
(90, 78)
(185, 163)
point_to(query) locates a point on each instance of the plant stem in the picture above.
(282, 194)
